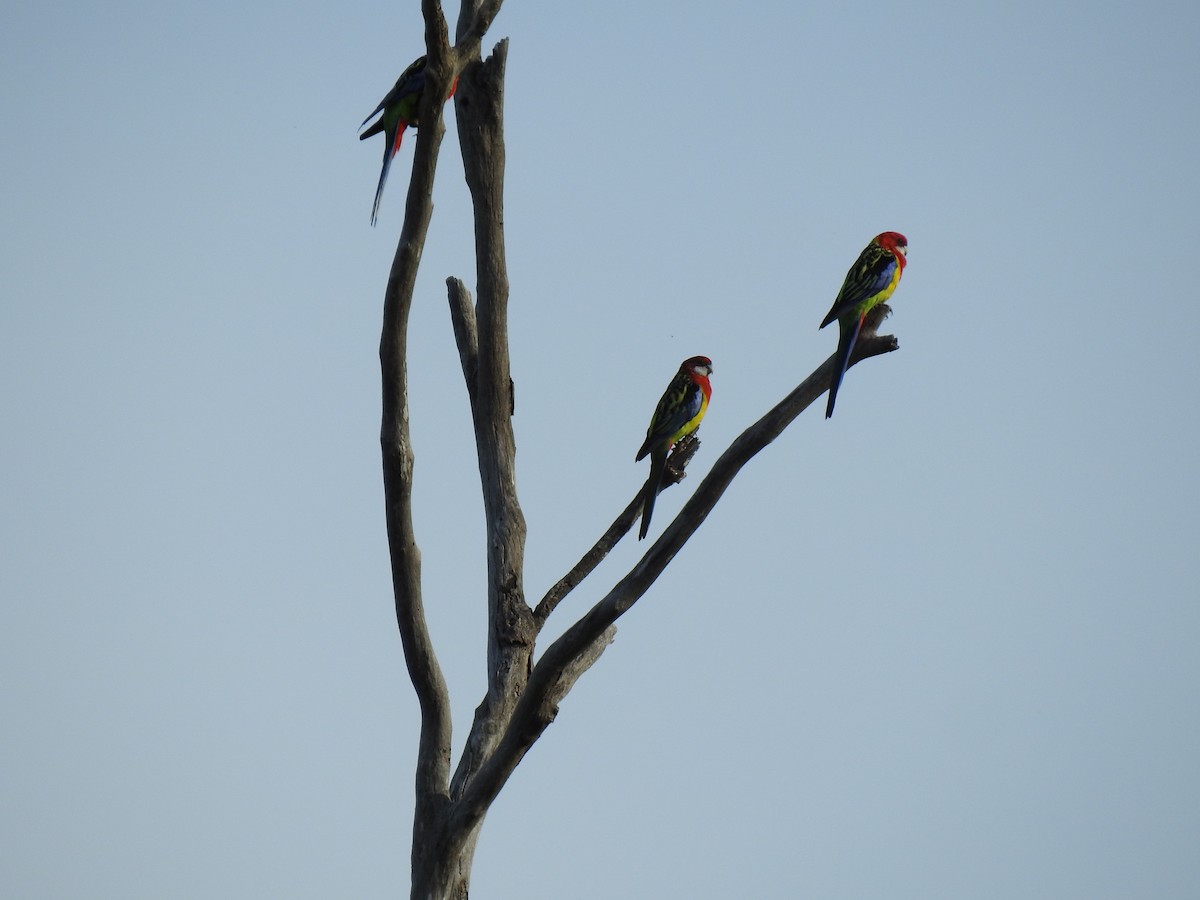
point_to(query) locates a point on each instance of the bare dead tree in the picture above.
(522, 697)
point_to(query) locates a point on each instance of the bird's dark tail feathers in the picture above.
(846, 341)
(389, 153)
(387, 162)
(658, 463)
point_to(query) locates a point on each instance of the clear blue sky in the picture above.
(941, 646)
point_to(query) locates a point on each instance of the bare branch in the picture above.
(674, 473)
(433, 750)
(466, 334)
(398, 461)
(584, 661)
(582, 569)
(437, 36)
(479, 105)
(474, 19)
(482, 138)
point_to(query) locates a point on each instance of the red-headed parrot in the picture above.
(870, 281)
(678, 413)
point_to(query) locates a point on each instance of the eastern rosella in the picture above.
(678, 413)
(870, 281)
(401, 109)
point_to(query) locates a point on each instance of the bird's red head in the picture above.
(893, 242)
(698, 368)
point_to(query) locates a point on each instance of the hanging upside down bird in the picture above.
(401, 109)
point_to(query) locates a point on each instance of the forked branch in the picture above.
(569, 656)
(869, 344)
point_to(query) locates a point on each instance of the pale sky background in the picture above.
(942, 646)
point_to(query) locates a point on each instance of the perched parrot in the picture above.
(678, 413)
(401, 108)
(870, 281)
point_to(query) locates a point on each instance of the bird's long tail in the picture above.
(658, 463)
(387, 164)
(389, 153)
(846, 341)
